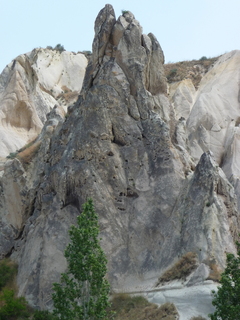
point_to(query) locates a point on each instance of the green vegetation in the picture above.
(58, 47)
(11, 307)
(124, 12)
(83, 290)
(227, 299)
(172, 74)
(181, 269)
(7, 271)
(12, 155)
(43, 315)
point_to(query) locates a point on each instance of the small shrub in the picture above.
(59, 48)
(7, 271)
(172, 73)
(182, 268)
(125, 12)
(12, 307)
(203, 58)
(43, 315)
(12, 155)
(87, 52)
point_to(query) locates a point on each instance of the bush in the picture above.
(203, 58)
(172, 74)
(12, 307)
(43, 315)
(59, 48)
(12, 155)
(7, 270)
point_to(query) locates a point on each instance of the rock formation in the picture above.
(156, 180)
(30, 86)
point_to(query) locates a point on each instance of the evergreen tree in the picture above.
(83, 290)
(227, 298)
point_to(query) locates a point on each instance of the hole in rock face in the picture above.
(237, 123)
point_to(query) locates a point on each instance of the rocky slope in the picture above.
(162, 172)
(30, 86)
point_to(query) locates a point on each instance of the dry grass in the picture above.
(132, 308)
(215, 272)
(68, 95)
(27, 154)
(193, 70)
(181, 269)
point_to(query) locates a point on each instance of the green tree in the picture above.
(227, 299)
(83, 290)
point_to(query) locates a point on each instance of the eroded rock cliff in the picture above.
(158, 192)
(30, 86)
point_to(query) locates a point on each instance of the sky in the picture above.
(185, 29)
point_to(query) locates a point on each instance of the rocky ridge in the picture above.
(161, 185)
(30, 86)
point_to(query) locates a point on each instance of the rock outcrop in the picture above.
(159, 192)
(30, 86)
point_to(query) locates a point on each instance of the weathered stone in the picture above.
(30, 86)
(122, 145)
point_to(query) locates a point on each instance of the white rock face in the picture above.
(182, 95)
(30, 86)
(190, 301)
(216, 110)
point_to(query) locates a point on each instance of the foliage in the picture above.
(124, 12)
(172, 73)
(7, 270)
(12, 307)
(203, 58)
(43, 315)
(59, 48)
(181, 269)
(227, 299)
(12, 155)
(83, 290)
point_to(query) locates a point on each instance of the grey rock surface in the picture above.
(123, 145)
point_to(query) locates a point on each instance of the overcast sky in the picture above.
(185, 29)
